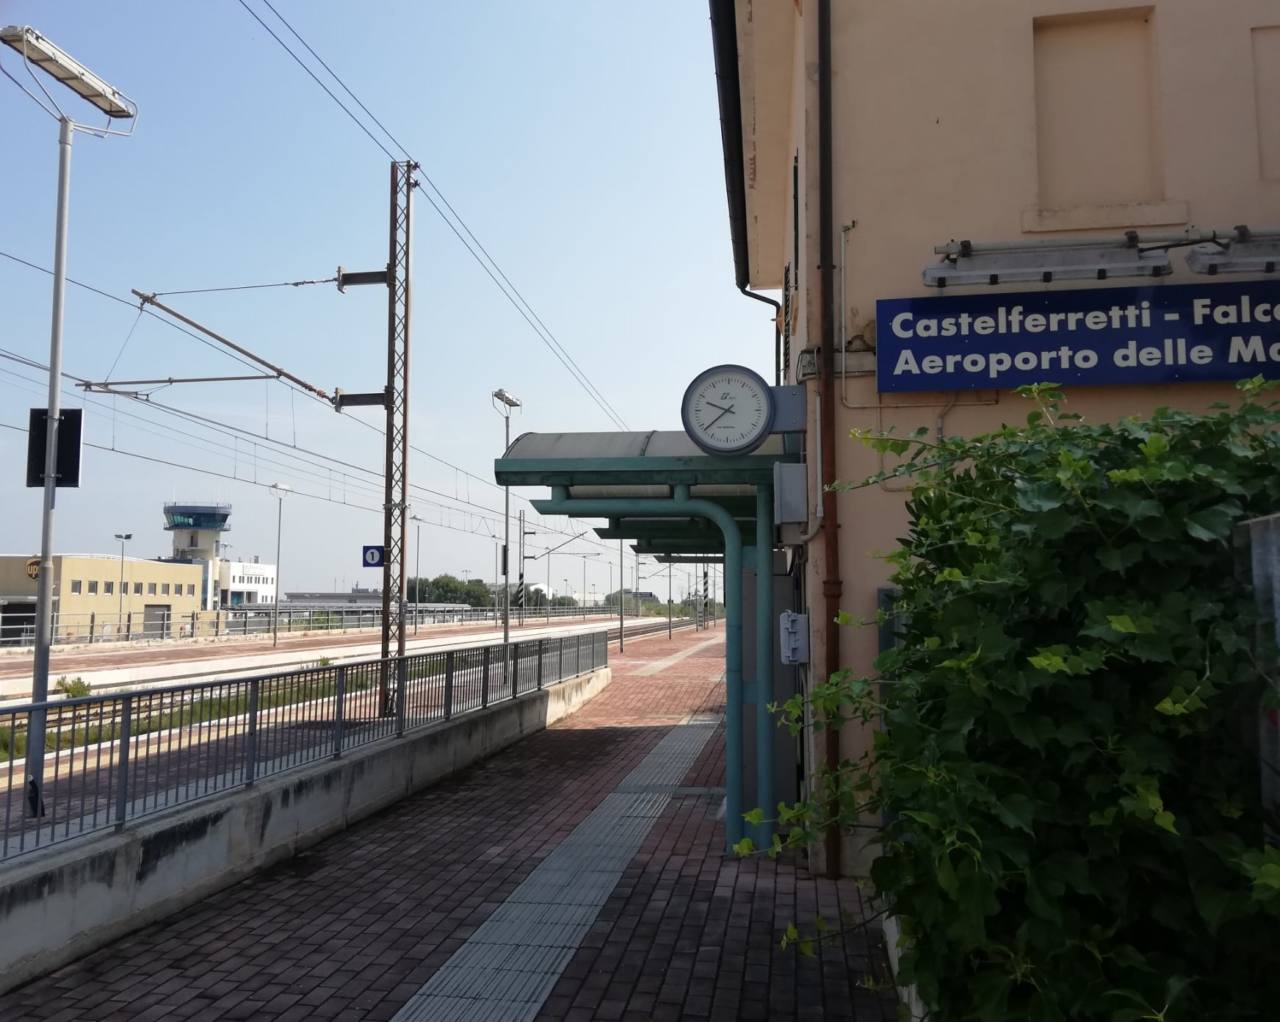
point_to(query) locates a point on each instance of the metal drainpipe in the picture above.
(764, 659)
(777, 332)
(831, 582)
(682, 506)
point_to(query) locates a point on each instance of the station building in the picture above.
(1025, 140)
(99, 593)
(98, 596)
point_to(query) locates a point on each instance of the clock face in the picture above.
(728, 410)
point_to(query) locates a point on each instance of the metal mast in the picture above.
(397, 466)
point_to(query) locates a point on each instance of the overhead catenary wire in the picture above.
(509, 291)
(250, 482)
(132, 305)
(191, 415)
(174, 326)
(367, 487)
(244, 287)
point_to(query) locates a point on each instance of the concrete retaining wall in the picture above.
(58, 906)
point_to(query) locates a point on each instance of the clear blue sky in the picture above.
(580, 141)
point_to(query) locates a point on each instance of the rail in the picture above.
(17, 621)
(117, 758)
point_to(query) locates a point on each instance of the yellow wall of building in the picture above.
(102, 572)
(994, 120)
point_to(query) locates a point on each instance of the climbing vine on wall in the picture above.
(1064, 732)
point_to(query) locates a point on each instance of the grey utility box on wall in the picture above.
(794, 634)
(790, 493)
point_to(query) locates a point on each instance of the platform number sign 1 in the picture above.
(374, 556)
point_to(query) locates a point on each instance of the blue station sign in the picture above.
(1163, 333)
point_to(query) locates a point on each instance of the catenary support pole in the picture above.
(622, 574)
(44, 585)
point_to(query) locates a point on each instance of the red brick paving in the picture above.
(350, 929)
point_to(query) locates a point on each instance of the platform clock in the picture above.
(728, 410)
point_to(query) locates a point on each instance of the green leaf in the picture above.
(1268, 876)
(1213, 523)
(1164, 820)
(920, 816)
(1157, 444)
(1016, 811)
(1039, 496)
(756, 816)
(744, 847)
(1121, 559)
(946, 874)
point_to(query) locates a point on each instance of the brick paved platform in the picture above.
(356, 927)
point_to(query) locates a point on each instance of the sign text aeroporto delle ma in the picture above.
(1162, 333)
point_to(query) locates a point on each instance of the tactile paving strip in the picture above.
(508, 966)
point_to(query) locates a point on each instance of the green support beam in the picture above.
(681, 505)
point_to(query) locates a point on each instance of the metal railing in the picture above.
(116, 758)
(71, 628)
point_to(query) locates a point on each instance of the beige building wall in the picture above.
(991, 120)
(85, 584)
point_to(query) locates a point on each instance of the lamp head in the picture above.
(510, 400)
(59, 64)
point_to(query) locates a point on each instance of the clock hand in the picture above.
(720, 408)
(722, 414)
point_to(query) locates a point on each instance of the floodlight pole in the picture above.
(122, 537)
(44, 587)
(505, 403)
(279, 492)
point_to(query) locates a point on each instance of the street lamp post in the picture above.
(417, 570)
(38, 51)
(279, 489)
(505, 404)
(622, 574)
(122, 537)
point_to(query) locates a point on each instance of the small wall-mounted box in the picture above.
(794, 632)
(790, 493)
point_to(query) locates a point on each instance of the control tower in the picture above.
(197, 530)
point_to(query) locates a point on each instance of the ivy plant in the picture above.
(1064, 754)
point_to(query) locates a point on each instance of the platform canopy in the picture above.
(645, 466)
(677, 503)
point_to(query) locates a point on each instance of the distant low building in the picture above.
(356, 597)
(246, 583)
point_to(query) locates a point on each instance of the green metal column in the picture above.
(764, 659)
(681, 505)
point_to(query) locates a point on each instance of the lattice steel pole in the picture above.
(396, 505)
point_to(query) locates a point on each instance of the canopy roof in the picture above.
(645, 466)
